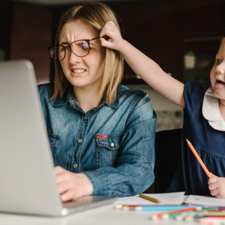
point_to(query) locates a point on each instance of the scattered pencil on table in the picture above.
(196, 155)
(214, 215)
(200, 215)
(175, 213)
(149, 198)
(149, 208)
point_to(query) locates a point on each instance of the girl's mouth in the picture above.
(220, 82)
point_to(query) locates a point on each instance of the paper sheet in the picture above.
(203, 200)
(173, 198)
(164, 198)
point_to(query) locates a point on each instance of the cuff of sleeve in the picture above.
(100, 183)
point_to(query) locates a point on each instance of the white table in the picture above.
(105, 215)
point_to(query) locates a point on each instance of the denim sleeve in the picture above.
(134, 171)
(43, 93)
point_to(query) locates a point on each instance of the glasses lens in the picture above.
(81, 47)
(62, 51)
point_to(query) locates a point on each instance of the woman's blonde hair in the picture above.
(95, 14)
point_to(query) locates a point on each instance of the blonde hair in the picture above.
(95, 14)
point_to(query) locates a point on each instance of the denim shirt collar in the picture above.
(70, 99)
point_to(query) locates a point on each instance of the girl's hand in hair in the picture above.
(111, 36)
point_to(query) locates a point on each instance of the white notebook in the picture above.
(173, 198)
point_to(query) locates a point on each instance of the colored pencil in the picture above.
(149, 208)
(149, 198)
(174, 213)
(196, 155)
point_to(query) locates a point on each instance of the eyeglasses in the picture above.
(79, 48)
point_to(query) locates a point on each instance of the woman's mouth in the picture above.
(78, 70)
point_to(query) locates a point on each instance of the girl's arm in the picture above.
(142, 65)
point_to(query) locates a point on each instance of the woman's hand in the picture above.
(217, 186)
(72, 185)
(111, 36)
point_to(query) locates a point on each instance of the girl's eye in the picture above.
(218, 61)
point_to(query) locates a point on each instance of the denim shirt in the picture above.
(112, 144)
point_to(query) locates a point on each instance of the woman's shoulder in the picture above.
(133, 97)
(44, 90)
(125, 92)
(136, 103)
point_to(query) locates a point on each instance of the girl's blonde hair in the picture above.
(95, 14)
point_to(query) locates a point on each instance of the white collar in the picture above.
(211, 111)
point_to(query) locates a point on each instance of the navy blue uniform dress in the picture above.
(210, 143)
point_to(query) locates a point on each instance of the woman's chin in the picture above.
(79, 85)
(78, 82)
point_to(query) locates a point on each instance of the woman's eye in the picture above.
(85, 45)
(64, 47)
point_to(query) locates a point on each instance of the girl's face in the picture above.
(217, 74)
(82, 61)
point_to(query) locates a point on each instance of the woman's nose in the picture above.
(73, 58)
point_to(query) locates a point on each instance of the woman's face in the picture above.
(82, 70)
(217, 75)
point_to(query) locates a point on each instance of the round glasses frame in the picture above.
(80, 48)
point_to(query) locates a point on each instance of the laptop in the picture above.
(27, 180)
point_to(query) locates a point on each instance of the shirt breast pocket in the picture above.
(106, 150)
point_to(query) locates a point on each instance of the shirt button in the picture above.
(79, 140)
(75, 165)
(112, 144)
(85, 118)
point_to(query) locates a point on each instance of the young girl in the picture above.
(101, 133)
(204, 112)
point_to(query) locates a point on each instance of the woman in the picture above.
(101, 134)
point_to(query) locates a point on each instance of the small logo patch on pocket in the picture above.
(102, 136)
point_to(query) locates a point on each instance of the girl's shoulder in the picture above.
(193, 93)
(193, 87)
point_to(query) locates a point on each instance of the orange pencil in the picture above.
(202, 164)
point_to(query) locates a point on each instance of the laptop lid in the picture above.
(26, 167)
